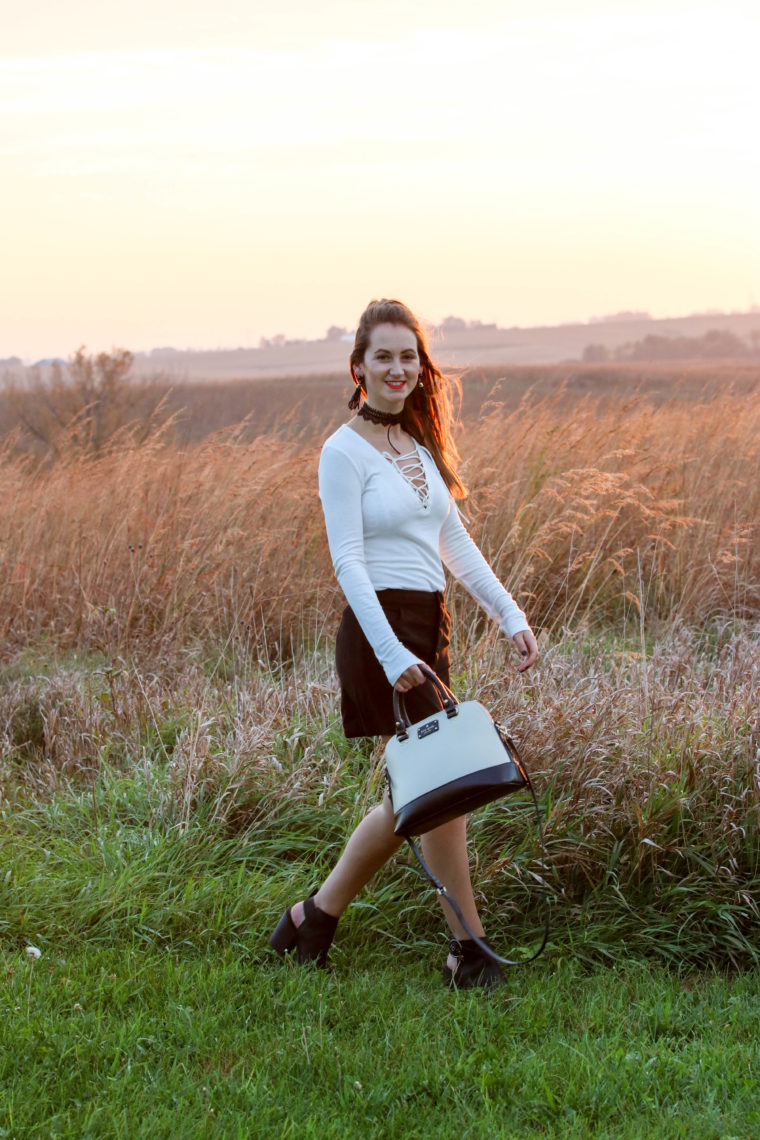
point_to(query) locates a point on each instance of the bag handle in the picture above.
(448, 701)
(442, 892)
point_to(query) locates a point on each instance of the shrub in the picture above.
(84, 405)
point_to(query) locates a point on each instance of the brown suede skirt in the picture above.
(422, 623)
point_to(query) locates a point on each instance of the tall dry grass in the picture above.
(589, 512)
(150, 547)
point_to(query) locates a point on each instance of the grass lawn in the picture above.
(134, 1041)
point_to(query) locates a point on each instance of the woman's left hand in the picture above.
(526, 642)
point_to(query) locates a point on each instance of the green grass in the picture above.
(119, 860)
(157, 1010)
(135, 1042)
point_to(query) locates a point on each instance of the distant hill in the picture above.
(468, 346)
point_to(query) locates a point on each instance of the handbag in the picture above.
(445, 766)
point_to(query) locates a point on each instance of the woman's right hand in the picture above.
(409, 678)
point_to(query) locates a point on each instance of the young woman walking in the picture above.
(388, 483)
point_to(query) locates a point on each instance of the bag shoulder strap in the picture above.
(442, 892)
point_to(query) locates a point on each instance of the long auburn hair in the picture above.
(428, 411)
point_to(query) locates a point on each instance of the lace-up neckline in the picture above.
(411, 468)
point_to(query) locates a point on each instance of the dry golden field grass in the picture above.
(591, 506)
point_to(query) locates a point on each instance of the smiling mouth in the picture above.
(397, 385)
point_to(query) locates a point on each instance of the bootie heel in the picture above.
(474, 968)
(312, 939)
(283, 937)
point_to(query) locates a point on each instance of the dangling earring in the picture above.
(355, 400)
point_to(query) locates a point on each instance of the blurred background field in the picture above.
(121, 389)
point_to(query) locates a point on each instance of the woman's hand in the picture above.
(409, 678)
(528, 646)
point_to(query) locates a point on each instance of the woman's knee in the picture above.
(448, 834)
(382, 816)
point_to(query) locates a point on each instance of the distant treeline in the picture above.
(91, 404)
(717, 344)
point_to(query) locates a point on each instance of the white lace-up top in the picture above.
(411, 468)
(391, 523)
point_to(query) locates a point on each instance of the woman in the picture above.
(387, 481)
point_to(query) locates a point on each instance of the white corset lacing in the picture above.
(411, 469)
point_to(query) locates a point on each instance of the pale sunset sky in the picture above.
(176, 172)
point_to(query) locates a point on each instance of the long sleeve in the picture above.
(340, 489)
(467, 564)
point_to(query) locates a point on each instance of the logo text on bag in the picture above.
(426, 729)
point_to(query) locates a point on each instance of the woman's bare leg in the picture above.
(369, 848)
(445, 852)
(372, 844)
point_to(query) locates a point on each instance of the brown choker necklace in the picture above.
(387, 419)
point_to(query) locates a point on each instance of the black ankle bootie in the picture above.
(311, 940)
(474, 967)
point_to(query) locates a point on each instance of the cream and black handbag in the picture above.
(445, 766)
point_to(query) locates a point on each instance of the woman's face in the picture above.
(391, 367)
